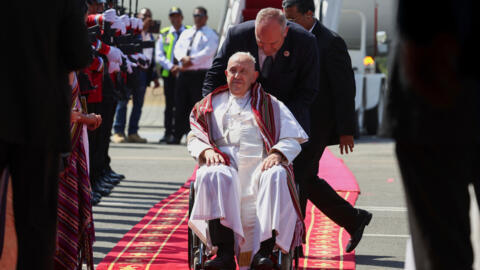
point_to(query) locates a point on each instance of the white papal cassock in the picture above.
(250, 202)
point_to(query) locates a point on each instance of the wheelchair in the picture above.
(198, 253)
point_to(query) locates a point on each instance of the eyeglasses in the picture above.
(296, 19)
(198, 15)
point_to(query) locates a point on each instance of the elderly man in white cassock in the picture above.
(245, 141)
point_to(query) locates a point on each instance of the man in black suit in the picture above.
(50, 41)
(286, 55)
(334, 114)
(297, 88)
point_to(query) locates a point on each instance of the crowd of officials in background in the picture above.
(183, 57)
(87, 59)
(183, 53)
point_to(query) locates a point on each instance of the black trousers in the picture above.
(436, 180)
(99, 139)
(169, 114)
(34, 174)
(108, 122)
(188, 91)
(317, 190)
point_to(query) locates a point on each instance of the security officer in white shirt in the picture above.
(194, 51)
(170, 68)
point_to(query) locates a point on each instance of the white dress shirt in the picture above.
(311, 29)
(204, 46)
(160, 56)
(148, 52)
(262, 56)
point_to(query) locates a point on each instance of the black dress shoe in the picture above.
(111, 180)
(113, 174)
(261, 259)
(104, 183)
(96, 194)
(96, 197)
(164, 139)
(99, 189)
(261, 263)
(364, 218)
(96, 200)
(221, 263)
(173, 140)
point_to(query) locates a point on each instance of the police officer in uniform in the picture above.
(164, 55)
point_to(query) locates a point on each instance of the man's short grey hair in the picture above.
(267, 14)
(247, 54)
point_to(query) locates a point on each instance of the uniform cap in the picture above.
(174, 10)
(96, 1)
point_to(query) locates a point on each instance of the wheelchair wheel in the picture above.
(191, 235)
(283, 261)
(200, 256)
(197, 254)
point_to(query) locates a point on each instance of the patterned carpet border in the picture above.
(326, 240)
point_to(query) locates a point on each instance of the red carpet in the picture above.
(336, 173)
(159, 241)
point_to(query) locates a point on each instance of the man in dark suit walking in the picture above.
(294, 79)
(35, 115)
(334, 114)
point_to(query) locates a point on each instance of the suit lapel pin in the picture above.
(286, 53)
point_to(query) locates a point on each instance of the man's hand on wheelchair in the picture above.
(210, 157)
(274, 158)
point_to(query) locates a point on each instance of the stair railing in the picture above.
(232, 16)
